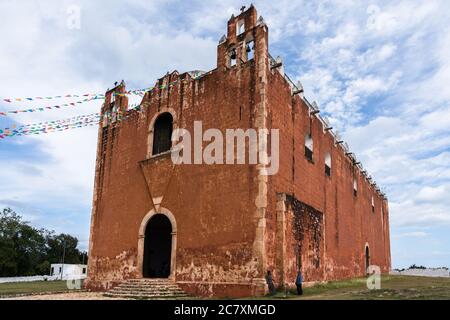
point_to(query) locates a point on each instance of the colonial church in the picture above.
(216, 229)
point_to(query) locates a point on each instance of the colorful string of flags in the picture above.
(86, 95)
(51, 126)
(74, 122)
(92, 97)
(60, 125)
(97, 95)
(69, 104)
(13, 100)
(40, 109)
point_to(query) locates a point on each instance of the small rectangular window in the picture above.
(309, 147)
(308, 154)
(327, 170)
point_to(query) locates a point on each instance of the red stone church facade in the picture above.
(217, 229)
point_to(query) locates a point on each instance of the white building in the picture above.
(428, 272)
(68, 271)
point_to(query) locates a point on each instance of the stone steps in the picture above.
(144, 286)
(156, 292)
(147, 289)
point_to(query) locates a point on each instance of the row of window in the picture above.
(309, 152)
(162, 135)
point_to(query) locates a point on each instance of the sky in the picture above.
(379, 71)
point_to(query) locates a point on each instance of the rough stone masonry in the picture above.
(217, 229)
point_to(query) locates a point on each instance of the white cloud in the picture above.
(387, 66)
(433, 194)
(40, 56)
(416, 234)
(437, 120)
(394, 19)
(371, 85)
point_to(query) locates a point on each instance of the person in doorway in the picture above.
(299, 283)
(269, 280)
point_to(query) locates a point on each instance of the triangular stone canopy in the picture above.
(158, 173)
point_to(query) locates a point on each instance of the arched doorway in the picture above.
(157, 247)
(367, 258)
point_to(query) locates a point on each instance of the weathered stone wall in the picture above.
(349, 223)
(232, 225)
(210, 203)
(213, 205)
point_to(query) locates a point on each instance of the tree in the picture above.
(30, 246)
(25, 250)
(8, 264)
(43, 268)
(63, 244)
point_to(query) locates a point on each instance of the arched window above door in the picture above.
(162, 134)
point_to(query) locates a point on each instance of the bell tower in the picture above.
(246, 35)
(247, 42)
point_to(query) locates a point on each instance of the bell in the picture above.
(233, 54)
(248, 49)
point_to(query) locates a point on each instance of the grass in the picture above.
(17, 288)
(392, 288)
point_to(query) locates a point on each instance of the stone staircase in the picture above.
(147, 289)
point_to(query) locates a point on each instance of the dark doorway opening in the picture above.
(157, 247)
(367, 260)
(162, 134)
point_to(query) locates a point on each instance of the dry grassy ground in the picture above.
(65, 296)
(32, 287)
(392, 288)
